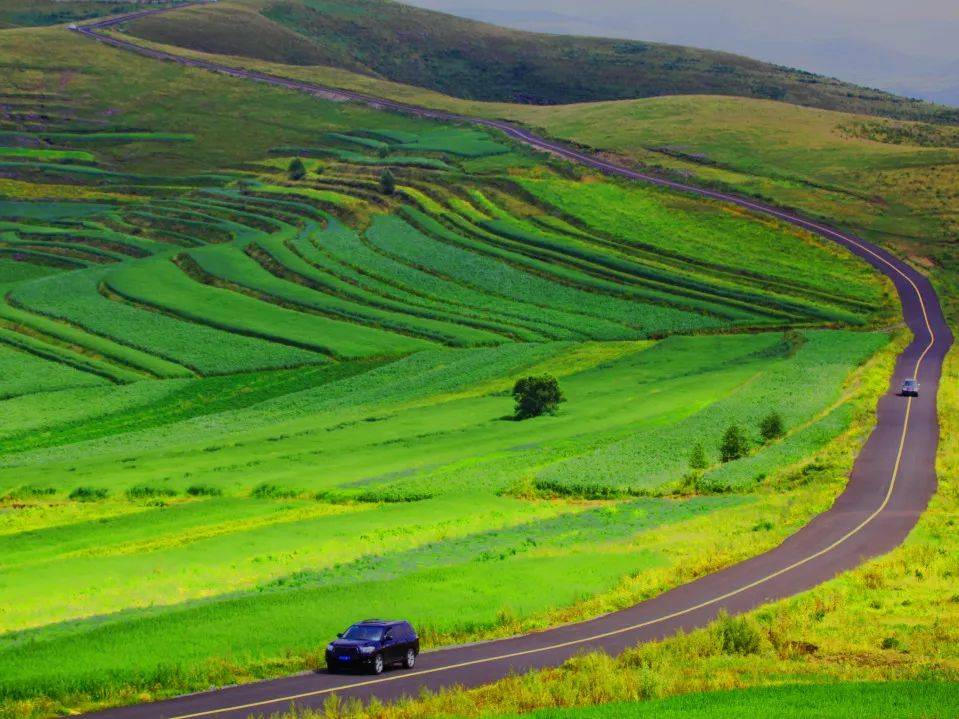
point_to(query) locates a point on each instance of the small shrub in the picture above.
(387, 182)
(704, 485)
(88, 494)
(737, 635)
(536, 396)
(147, 491)
(582, 490)
(392, 495)
(890, 643)
(29, 491)
(296, 169)
(272, 491)
(697, 457)
(763, 526)
(772, 427)
(734, 445)
(873, 578)
(203, 490)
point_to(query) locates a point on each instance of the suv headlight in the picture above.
(330, 647)
(367, 650)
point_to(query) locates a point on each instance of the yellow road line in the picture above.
(672, 615)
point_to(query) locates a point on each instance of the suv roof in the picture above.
(382, 622)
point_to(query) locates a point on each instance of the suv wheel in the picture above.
(378, 664)
(410, 659)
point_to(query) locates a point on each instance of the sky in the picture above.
(906, 46)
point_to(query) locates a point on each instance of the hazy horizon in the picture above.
(909, 49)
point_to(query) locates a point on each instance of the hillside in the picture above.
(473, 60)
(32, 13)
(209, 361)
(892, 181)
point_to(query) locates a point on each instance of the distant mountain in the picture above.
(474, 60)
(906, 50)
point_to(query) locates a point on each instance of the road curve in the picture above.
(891, 483)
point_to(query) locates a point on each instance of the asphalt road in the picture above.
(889, 487)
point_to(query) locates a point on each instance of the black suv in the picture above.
(373, 644)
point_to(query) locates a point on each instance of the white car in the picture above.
(910, 388)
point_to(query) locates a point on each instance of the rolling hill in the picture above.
(473, 60)
(215, 370)
(33, 13)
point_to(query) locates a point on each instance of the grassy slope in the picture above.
(474, 60)
(899, 700)
(900, 191)
(891, 620)
(28, 13)
(184, 102)
(76, 644)
(384, 422)
(902, 194)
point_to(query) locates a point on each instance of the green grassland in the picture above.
(877, 641)
(474, 60)
(900, 193)
(25, 13)
(217, 377)
(892, 182)
(902, 700)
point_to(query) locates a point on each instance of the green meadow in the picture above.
(902, 700)
(234, 397)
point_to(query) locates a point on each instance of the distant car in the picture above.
(373, 645)
(910, 388)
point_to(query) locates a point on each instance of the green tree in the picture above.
(772, 426)
(296, 169)
(697, 457)
(734, 445)
(738, 635)
(536, 396)
(387, 182)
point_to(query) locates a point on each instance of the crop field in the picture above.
(894, 182)
(234, 394)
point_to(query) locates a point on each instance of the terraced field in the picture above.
(238, 397)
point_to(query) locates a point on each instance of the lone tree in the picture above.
(387, 182)
(772, 426)
(734, 444)
(296, 170)
(536, 396)
(697, 457)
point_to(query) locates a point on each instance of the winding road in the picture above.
(889, 487)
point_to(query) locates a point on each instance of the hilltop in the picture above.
(478, 61)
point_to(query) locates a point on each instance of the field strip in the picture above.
(37, 348)
(198, 534)
(54, 330)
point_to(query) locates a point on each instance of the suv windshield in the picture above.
(364, 633)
